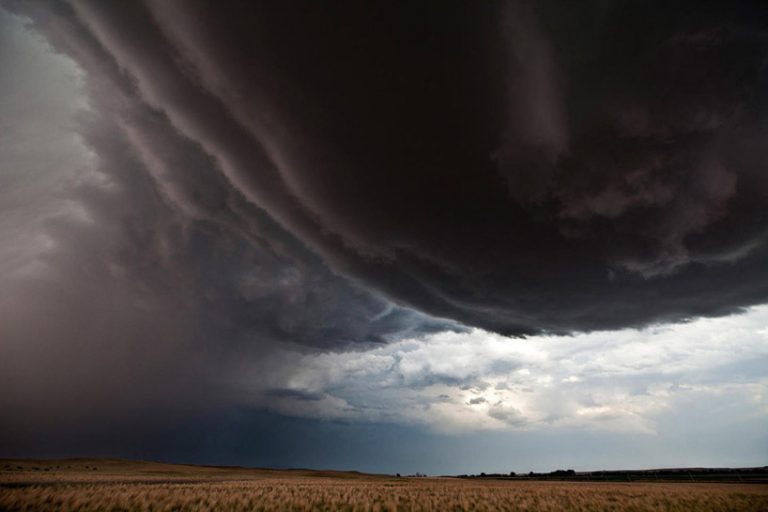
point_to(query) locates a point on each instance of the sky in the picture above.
(439, 237)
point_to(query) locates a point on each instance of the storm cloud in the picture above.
(134, 276)
(208, 205)
(493, 164)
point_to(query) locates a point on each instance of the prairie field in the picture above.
(133, 486)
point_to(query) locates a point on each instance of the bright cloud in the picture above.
(456, 382)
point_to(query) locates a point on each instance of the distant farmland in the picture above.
(110, 485)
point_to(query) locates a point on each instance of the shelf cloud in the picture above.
(214, 204)
(504, 168)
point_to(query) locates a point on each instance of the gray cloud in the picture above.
(135, 276)
(629, 196)
(208, 193)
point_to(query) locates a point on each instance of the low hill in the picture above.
(121, 469)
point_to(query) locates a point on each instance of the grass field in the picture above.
(111, 485)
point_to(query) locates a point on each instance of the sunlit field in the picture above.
(126, 486)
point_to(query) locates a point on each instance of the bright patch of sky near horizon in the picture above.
(619, 381)
(622, 382)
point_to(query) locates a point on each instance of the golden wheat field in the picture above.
(127, 486)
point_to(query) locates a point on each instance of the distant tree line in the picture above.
(753, 475)
(561, 473)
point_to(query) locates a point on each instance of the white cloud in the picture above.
(456, 382)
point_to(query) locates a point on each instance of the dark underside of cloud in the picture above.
(336, 175)
(515, 167)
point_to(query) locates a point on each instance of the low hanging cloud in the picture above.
(216, 205)
(505, 168)
(133, 274)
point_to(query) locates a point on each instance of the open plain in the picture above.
(115, 485)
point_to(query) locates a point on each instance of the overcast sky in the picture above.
(444, 237)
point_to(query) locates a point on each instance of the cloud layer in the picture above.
(618, 381)
(339, 211)
(133, 274)
(496, 165)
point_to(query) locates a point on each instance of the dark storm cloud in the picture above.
(516, 166)
(520, 167)
(179, 223)
(154, 278)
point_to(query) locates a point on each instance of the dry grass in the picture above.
(119, 486)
